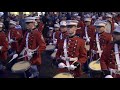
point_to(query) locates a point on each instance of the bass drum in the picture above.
(95, 69)
(64, 75)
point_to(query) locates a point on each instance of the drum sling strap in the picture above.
(98, 45)
(117, 56)
(9, 36)
(54, 36)
(65, 53)
(61, 36)
(86, 35)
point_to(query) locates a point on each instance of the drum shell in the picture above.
(63, 75)
(22, 70)
(95, 73)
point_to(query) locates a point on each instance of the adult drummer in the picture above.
(110, 59)
(71, 51)
(33, 40)
(99, 41)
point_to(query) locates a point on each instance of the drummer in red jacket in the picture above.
(3, 46)
(110, 59)
(32, 40)
(71, 54)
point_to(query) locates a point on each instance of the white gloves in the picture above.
(55, 41)
(1, 47)
(61, 65)
(9, 47)
(11, 40)
(108, 76)
(30, 55)
(72, 67)
(55, 50)
(50, 43)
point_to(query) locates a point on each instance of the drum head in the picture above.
(21, 66)
(64, 75)
(87, 47)
(53, 55)
(50, 47)
(95, 65)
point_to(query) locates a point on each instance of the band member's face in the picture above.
(116, 37)
(71, 29)
(56, 29)
(108, 18)
(100, 29)
(30, 25)
(37, 20)
(11, 26)
(63, 28)
(87, 23)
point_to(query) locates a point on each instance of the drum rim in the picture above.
(64, 73)
(19, 71)
(91, 68)
(50, 45)
(52, 54)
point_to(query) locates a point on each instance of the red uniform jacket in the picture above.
(76, 48)
(35, 39)
(104, 39)
(40, 27)
(107, 59)
(4, 43)
(91, 31)
(80, 27)
(15, 35)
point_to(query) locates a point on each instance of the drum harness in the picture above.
(86, 35)
(10, 40)
(67, 59)
(116, 71)
(98, 47)
(28, 50)
(54, 39)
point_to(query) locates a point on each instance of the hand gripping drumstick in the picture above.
(14, 56)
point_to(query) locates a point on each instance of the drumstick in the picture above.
(74, 62)
(14, 56)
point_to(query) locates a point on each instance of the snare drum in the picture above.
(21, 66)
(64, 75)
(95, 69)
(53, 55)
(87, 47)
(50, 47)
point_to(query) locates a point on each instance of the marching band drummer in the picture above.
(32, 40)
(110, 59)
(40, 24)
(100, 40)
(71, 51)
(110, 26)
(14, 36)
(56, 33)
(3, 46)
(88, 31)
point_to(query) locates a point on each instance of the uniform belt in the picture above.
(70, 59)
(115, 71)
